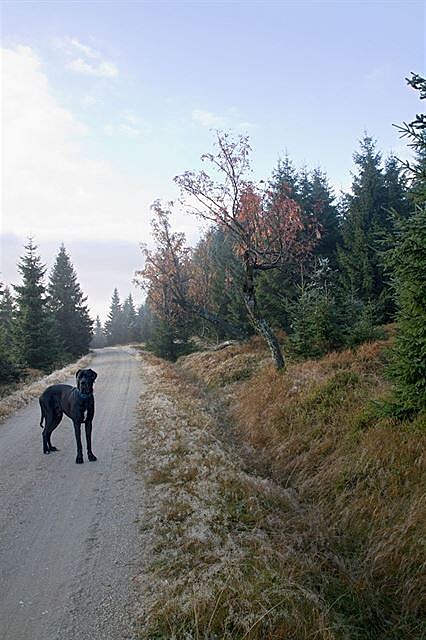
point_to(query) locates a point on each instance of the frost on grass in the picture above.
(218, 567)
(11, 403)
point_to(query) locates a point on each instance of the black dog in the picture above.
(77, 403)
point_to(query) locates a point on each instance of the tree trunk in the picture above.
(260, 325)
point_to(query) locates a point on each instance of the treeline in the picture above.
(287, 256)
(325, 285)
(45, 326)
(42, 326)
(123, 325)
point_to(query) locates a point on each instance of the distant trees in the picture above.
(114, 330)
(67, 304)
(35, 341)
(42, 326)
(9, 370)
(98, 339)
(123, 324)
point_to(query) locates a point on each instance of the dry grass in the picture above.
(225, 366)
(222, 564)
(359, 479)
(30, 390)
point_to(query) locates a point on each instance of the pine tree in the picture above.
(129, 319)
(7, 310)
(418, 171)
(8, 368)
(114, 330)
(68, 307)
(365, 221)
(415, 131)
(146, 320)
(396, 189)
(140, 320)
(325, 212)
(408, 260)
(35, 339)
(285, 178)
(409, 267)
(98, 340)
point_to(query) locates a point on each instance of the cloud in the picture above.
(208, 119)
(85, 60)
(90, 101)
(51, 187)
(213, 121)
(246, 125)
(100, 69)
(130, 124)
(88, 51)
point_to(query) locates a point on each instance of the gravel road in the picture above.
(68, 531)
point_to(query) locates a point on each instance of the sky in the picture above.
(103, 103)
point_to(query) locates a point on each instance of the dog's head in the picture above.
(85, 380)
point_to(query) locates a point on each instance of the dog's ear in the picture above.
(77, 373)
(94, 375)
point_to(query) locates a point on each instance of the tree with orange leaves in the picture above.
(266, 226)
(176, 289)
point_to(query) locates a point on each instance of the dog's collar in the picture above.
(82, 395)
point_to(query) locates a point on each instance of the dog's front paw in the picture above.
(92, 457)
(79, 459)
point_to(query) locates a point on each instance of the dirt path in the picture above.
(67, 531)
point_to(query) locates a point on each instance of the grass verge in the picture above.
(359, 478)
(234, 555)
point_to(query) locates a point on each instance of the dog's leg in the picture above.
(45, 414)
(49, 420)
(77, 431)
(88, 429)
(57, 419)
(46, 448)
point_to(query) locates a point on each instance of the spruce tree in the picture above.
(396, 190)
(140, 319)
(114, 324)
(409, 267)
(365, 220)
(68, 307)
(146, 320)
(415, 131)
(34, 334)
(285, 178)
(7, 310)
(8, 368)
(325, 212)
(98, 340)
(129, 320)
(408, 261)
